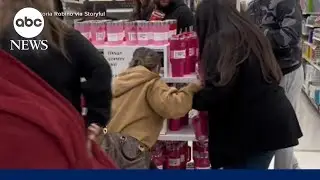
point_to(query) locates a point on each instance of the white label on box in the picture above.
(159, 36)
(166, 36)
(172, 33)
(181, 54)
(121, 35)
(100, 36)
(143, 36)
(183, 158)
(174, 162)
(151, 35)
(192, 52)
(113, 37)
(132, 36)
(160, 167)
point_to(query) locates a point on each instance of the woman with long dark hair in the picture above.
(142, 9)
(248, 112)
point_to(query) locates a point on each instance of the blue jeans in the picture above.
(258, 162)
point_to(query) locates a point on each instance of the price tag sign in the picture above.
(118, 57)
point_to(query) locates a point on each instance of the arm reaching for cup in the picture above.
(173, 102)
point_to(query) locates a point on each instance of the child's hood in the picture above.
(131, 78)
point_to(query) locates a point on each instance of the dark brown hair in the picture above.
(142, 11)
(145, 57)
(55, 30)
(233, 39)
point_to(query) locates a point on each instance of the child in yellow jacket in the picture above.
(142, 101)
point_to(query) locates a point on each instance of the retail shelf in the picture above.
(73, 1)
(305, 34)
(311, 13)
(312, 63)
(309, 44)
(185, 79)
(316, 38)
(311, 26)
(304, 87)
(154, 47)
(304, 90)
(185, 134)
(120, 10)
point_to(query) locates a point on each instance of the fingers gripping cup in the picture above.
(200, 126)
(156, 16)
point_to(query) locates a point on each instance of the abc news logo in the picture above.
(28, 23)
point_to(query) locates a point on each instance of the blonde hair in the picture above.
(55, 30)
(146, 57)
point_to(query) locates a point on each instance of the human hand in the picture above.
(93, 132)
(197, 82)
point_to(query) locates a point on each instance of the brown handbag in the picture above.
(126, 151)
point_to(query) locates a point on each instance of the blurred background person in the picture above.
(69, 57)
(249, 115)
(142, 9)
(281, 23)
(171, 9)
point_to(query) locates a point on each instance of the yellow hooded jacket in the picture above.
(141, 102)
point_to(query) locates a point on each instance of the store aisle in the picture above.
(308, 152)
(309, 120)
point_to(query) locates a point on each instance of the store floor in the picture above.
(308, 152)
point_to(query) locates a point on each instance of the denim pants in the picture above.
(292, 84)
(259, 161)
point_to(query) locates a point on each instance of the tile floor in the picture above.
(308, 151)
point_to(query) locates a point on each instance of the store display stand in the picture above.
(119, 56)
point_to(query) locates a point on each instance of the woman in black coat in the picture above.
(249, 115)
(69, 57)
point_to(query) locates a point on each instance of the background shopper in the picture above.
(69, 57)
(142, 9)
(141, 102)
(249, 115)
(40, 129)
(281, 22)
(172, 9)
